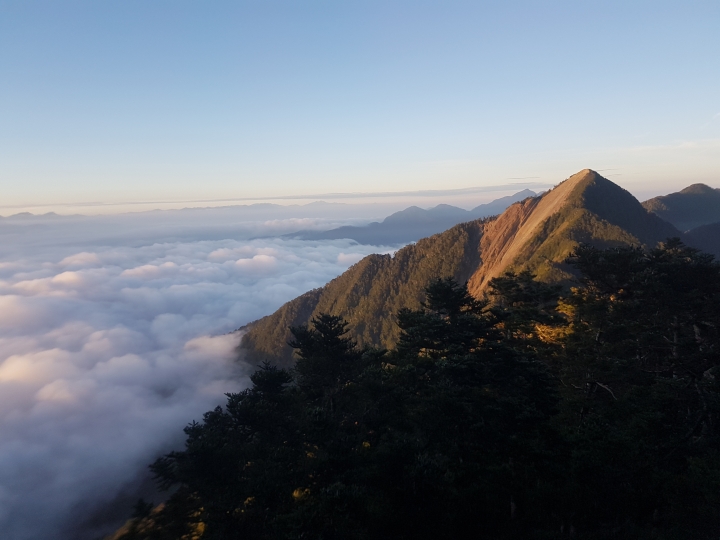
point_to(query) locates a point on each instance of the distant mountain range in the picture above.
(413, 223)
(536, 233)
(28, 215)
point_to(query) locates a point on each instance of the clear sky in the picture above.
(130, 100)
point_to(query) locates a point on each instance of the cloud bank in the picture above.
(107, 350)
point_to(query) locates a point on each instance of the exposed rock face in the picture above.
(694, 206)
(537, 234)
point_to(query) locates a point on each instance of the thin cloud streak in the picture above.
(430, 193)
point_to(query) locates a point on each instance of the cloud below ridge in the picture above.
(107, 351)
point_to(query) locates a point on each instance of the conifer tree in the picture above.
(589, 413)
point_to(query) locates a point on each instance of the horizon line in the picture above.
(315, 197)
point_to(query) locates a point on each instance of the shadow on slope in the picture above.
(705, 238)
(692, 207)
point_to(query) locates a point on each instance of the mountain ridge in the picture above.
(413, 223)
(692, 207)
(584, 208)
(535, 234)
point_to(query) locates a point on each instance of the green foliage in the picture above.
(447, 441)
(525, 306)
(531, 415)
(640, 372)
(370, 293)
(449, 323)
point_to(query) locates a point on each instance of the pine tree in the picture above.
(641, 396)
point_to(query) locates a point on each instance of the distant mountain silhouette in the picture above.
(536, 234)
(28, 215)
(692, 207)
(413, 223)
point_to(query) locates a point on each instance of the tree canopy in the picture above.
(535, 413)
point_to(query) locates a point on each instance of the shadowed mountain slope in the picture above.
(413, 223)
(692, 207)
(706, 238)
(537, 234)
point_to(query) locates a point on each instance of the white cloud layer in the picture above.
(109, 348)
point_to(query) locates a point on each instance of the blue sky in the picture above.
(142, 100)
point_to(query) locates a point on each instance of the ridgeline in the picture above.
(536, 234)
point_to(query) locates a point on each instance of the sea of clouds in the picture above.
(114, 336)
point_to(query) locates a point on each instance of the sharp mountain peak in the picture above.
(535, 233)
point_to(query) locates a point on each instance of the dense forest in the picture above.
(537, 412)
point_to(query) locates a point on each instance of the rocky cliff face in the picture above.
(536, 233)
(539, 233)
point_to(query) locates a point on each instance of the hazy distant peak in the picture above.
(443, 207)
(498, 205)
(323, 203)
(403, 214)
(525, 193)
(413, 223)
(699, 189)
(30, 215)
(447, 210)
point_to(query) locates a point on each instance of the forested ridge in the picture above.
(369, 294)
(535, 234)
(536, 412)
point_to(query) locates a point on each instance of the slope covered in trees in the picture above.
(535, 234)
(538, 413)
(370, 293)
